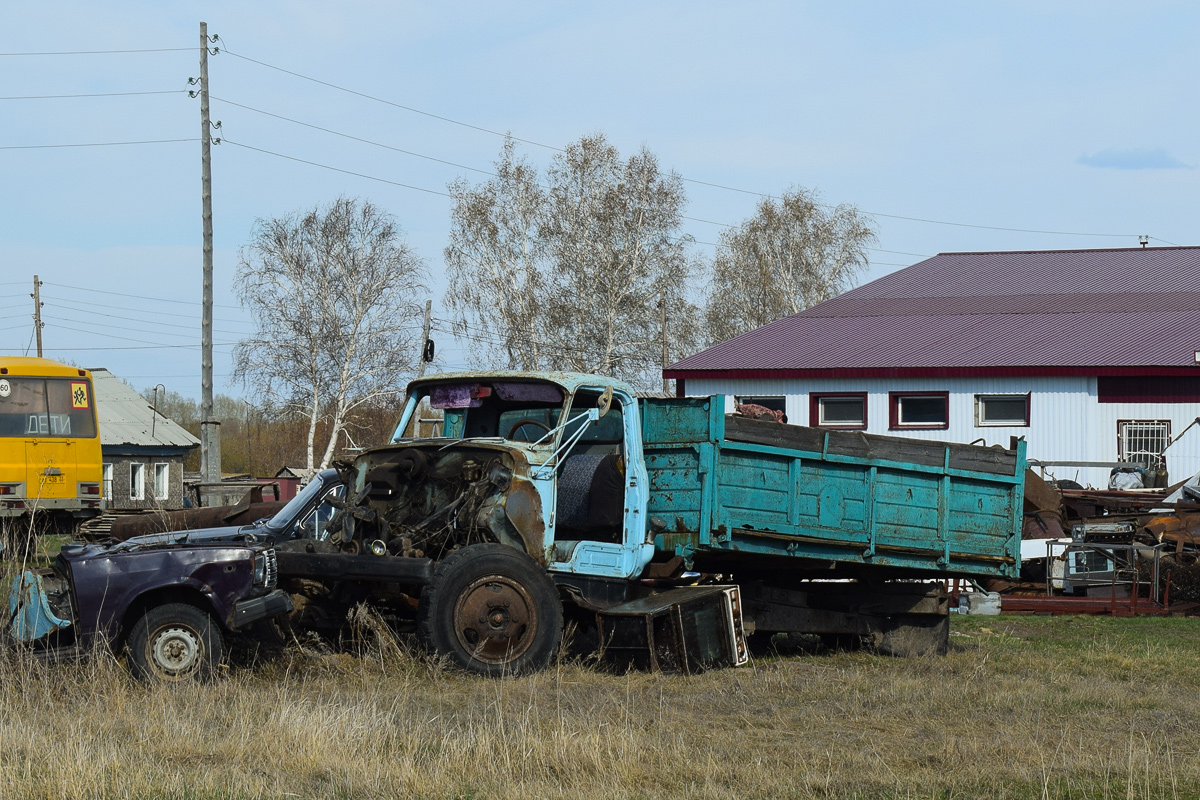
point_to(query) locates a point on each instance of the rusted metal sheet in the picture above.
(1181, 528)
(523, 507)
(1086, 503)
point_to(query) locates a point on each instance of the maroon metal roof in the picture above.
(1127, 311)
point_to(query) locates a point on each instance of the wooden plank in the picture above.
(856, 444)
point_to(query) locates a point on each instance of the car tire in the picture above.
(175, 642)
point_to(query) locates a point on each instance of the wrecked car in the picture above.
(167, 601)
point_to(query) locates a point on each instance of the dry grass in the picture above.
(1024, 707)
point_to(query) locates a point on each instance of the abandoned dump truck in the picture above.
(665, 528)
(166, 600)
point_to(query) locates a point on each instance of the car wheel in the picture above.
(174, 642)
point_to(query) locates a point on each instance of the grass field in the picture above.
(1022, 707)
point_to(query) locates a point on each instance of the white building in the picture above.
(1092, 355)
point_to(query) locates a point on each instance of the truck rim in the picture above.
(495, 619)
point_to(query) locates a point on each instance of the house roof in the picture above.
(125, 418)
(1128, 311)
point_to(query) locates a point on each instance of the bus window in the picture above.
(47, 407)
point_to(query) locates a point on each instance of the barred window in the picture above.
(1143, 440)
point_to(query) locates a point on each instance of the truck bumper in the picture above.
(256, 608)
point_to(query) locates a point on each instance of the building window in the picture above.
(994, 410)
(162, 481)
(771, 403)
(919, 410)
(1143, 440)
(108, 482)
(838, 410)
(137, 481)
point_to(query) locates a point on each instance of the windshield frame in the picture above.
(286, 516)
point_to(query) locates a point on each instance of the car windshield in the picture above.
(287, 515)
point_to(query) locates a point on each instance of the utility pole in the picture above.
(210, 429)
(37, 312)
(662, 304)
(425, 348)
(425, 356)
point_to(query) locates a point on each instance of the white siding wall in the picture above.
(1066, 421)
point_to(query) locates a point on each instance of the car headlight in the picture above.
(266, 569)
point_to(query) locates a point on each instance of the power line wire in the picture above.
(227, 140)
(686, 179)
(354, 138)
(100, 94)
(133, 296)
(90, 144)
(143, 347)
(484, 336)
(191, 328)
(173, 314)
(443, 161)
(60, 326)
(227, 51)
(102, 52)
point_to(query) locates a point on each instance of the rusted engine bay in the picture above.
(429, 500)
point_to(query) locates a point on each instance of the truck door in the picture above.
(600, 492)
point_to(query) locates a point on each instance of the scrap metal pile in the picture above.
(1107, 551)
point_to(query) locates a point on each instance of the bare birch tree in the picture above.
(333, 291)
(569, 272)
(789, 256)
(495, 263)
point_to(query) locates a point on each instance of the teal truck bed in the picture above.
(841, 503)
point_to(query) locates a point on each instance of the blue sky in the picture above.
(959, 126)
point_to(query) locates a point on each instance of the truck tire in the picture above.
(174, 642)
(492, 610)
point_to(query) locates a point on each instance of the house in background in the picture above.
(1092, 355)
(143, 451)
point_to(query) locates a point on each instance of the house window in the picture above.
(1143, 440)
(838, 410)
(162, 481)
(919, 410)
(1010, 410)
(137, 481)
(108, 481)
(772, 403)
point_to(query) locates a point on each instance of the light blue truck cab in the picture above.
(551, 490)
(579, 487)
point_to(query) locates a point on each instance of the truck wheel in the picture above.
(492, 610)
(174, 642)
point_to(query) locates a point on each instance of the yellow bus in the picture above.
(50, 462)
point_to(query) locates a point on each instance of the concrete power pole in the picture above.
(37, 312)
(210, 428)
